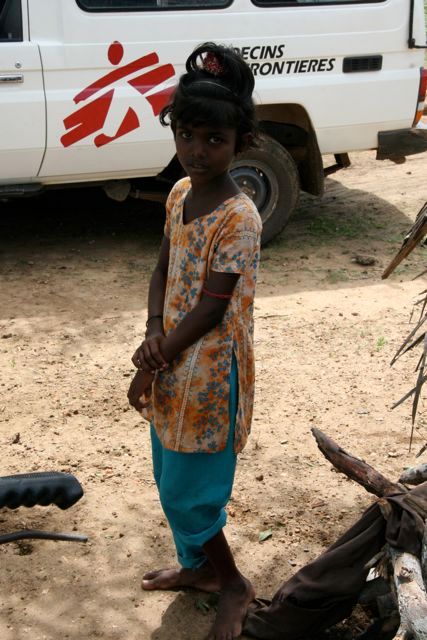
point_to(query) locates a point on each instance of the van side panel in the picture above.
(296, 53)
(347, 110)
(22, 109)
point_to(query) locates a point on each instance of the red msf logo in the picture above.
(92, 116)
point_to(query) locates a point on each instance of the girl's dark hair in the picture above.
(216, 89)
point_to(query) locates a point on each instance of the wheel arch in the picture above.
(291, 126)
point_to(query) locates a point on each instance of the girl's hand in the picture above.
(148, 356)
(139, 394)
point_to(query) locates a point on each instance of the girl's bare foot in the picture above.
(203, 578)
(233, 604)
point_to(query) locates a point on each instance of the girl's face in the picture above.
(205, 152)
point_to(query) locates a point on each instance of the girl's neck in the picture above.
(203, 198)
(223, 184)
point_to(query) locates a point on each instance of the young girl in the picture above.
(195, 378)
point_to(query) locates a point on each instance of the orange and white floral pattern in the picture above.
(189, 406)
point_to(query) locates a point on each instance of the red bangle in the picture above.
(221, 296)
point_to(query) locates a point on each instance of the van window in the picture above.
(292, 3)
(10, 21)
(150, 5)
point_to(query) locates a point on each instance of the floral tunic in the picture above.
(189, 407)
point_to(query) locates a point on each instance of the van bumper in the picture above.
(396, 145)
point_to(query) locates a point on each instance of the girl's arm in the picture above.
(205, 316)
(139, 393)
(149, 351)
(156, 293)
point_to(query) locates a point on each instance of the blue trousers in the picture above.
(194, 488)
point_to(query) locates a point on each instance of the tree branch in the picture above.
(354, 468)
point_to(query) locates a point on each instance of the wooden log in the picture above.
(354, 468)
(371, 479)
(411, 596)
(407, 569)
(414, 475)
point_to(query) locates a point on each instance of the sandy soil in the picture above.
(73, 305)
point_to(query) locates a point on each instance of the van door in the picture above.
(22, 103)
(109, 67)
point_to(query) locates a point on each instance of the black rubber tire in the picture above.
(268, 174)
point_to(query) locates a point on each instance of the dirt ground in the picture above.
(74, 277)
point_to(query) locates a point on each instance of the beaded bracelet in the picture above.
(152, 318)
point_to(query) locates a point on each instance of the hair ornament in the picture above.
(213, 65)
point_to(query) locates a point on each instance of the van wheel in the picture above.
(269, 176)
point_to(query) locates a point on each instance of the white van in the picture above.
(82, 83)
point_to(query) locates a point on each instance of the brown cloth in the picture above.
(325, 591)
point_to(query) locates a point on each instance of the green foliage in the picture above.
(381, 342)
(337, 275)
(265, 535)
(332, 227)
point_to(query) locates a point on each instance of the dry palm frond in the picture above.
(421, 451)
(420, 382)
(414, 339)
(411, 240)
(407, 345)
(421, 301)
(409, 393)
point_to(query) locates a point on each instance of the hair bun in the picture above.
(216, 90)
(223, 63)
